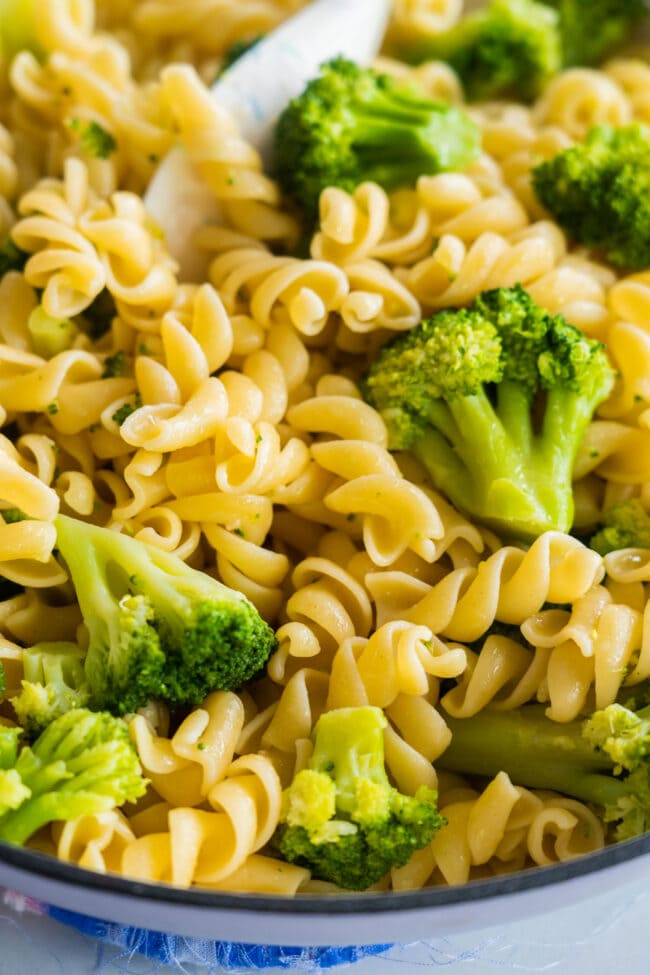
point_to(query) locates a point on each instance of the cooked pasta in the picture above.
(217, 413)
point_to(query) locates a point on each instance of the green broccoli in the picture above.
(341, 817)
(353, 124)
(599, 192)
(84, 763)
(124, 411)
(157, 628)
(54, 682)
(626, 525)
(114, 365)
(510, 48)
(591, 28)
(94, 138)
(494, 400)
(603, 760)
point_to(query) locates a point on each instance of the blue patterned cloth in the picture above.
(224, 955)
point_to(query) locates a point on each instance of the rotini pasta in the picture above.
(214, 407)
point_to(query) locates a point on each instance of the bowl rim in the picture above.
(47, 866)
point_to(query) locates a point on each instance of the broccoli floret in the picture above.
(590, 28)
(599, 192)
(626, 525)
(11, 257)
(603, 760)
(354, 124)
(511, 48)
(341, 817)
(82, 764)
(54, 682)
(157, 628)
(494, 400)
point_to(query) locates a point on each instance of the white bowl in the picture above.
(360, 919)
(367, 919)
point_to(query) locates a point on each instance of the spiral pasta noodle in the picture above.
(213, 407)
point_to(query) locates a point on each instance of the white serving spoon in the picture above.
(255, 91)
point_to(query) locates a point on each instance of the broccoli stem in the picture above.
(512, 484)
(392, 138)
(535, 752)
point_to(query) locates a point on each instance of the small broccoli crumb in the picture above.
(114, 365)
(126, 409)
(52, 408)
(240, 532)
(95, 140)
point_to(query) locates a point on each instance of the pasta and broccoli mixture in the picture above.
(325, 567)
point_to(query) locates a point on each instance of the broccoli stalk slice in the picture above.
(54, 682)
(602, 760)
(341, 817)
(49, 335)
(353, 124)
(494, 400)
(511, 48)
(82, 764)
(157, 628)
